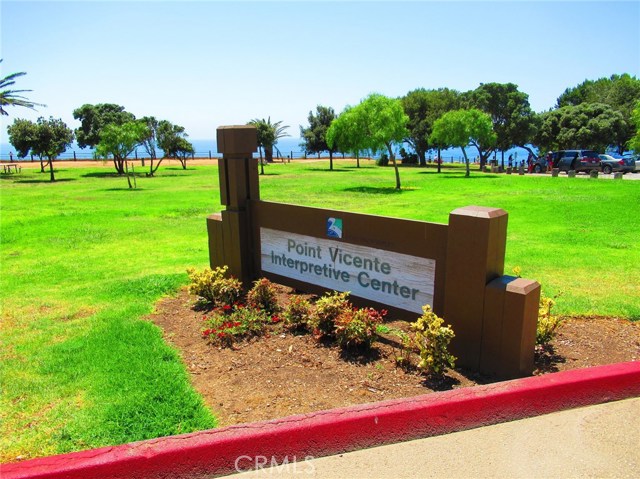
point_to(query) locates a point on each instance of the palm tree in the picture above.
(10, 97)
(268, 135)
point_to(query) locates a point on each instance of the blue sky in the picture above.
(204, 64)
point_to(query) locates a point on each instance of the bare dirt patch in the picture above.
(281, 374)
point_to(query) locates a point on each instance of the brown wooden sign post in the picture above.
(389, 263)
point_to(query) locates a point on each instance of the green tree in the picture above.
(620, 92)
(587, 125)
(268, 136)
(22, 136)
(424, 107)
(120, 141)
(376, 123)
(150, 141)
(347, 133)
(93, 118)
(634, 143)
(315, 136)
(46, 139)
(462, 128)
(172, 139)
(12, 97)
(514, 122)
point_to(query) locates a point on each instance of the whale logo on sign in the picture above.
(334, 227)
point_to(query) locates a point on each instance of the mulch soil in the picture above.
(280, 373)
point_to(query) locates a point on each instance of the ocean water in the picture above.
(287, 147)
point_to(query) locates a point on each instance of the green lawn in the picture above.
(82, 260)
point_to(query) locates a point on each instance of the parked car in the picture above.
(542, 162)
(578, 160)
(610, 164)
(634, 159)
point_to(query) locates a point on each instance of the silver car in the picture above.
(610, 164)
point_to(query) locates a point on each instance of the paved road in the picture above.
(597, 441)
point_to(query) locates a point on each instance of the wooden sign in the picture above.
(399, 280)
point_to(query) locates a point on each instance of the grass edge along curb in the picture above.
(214, 452)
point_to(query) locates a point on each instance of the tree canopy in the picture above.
(120, 141)
(315, 136)
(45, 139)
(620, 92)
(513, 120)
(634, 143)
(94, 118)
(172, 139)
(424, 107)
(376, 123)
(587, 125)
(461, 128)
(268, 135)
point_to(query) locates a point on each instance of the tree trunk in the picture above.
(466, 162)
(502, 160)
(422, 157)
(261, 162)
(439, 160)
(127, 175)
(268, 154)
(392, 157)
(330, 160)
(41, 165)
(358, 159)
(51, 169)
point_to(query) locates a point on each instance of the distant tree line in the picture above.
(110, 129)
(492, 118)
(596, 114)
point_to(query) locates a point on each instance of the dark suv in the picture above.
(578, 160)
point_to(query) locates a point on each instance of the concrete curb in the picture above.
(221, 451)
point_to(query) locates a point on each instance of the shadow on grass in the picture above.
(104, 174)
(449, 174)
(327, 170)
(61, 180)
(382, 190)
(124, 188)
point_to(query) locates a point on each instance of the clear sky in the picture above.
(203, 64)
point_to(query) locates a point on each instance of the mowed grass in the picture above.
(85, 258)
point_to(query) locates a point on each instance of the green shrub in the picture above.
(432, 340)
(383, 160)
(547, 322)
(214, 287)
(230, 323)
(357, 327)
(263, 296)
(328, 308)
(297, 313)
(408, 158)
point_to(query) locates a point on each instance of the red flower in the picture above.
(275, 319)
(226, 307)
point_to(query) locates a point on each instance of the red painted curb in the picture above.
(215, 452)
